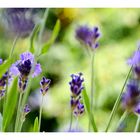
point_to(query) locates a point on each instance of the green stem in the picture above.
(92, 89)
(71, 118)
(22, 119)
(77, 123)
(40, 113)
(123, 117)
(137, 124)
(18, 112)
(117, 101)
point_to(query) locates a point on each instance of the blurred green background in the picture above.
(120, 31)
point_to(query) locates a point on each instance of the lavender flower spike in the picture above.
(45, 84)
(88, 36)
(23, 68)
(76, 84)
(131, 97)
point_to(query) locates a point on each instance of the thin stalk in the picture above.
(115, 107)
(71, 118)
(123, 117)
(77, 123)
(22, 119)
(137, 124)
(92, 89)
(18, 112)
(40, 113)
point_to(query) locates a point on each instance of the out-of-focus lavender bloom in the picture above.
(23, 67)
(76, 84)
(1, 61)
(135, 62)
(19, 20)
(45, 84)
(27, 109)
(88, 36)
(130, 98)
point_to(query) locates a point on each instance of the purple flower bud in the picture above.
(88, 36)
(45, 84)
(27, 109)
(76, 86)
(79, 110)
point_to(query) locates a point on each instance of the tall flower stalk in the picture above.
(76, 87)
(89, 38)
(116, 105)
(45, 84)
(23, 68)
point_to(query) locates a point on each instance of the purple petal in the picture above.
(37, 70)
(14, 70)
(27, 56)
(1, 61)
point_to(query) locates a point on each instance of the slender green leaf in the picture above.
(35, 129)
(32, 38)
(87, 107)
(11, 102)
(52, 39)
(4, 67)
(1, 119)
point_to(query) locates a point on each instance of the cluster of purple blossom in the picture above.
(131, 98)
(76, 87)
(23, 68)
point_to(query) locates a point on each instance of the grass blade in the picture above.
(32, 38)
(53, 37)
(5, 66)
(36, 125)
(11, 102)
(1, 119)
(87, 107)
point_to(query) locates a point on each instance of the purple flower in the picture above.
(135, 62)
(88, 36)
(76, 88)
(45, 84)
(79, 110)
(27, 109)
(23, 68)
(1, 61)
(137, 109)
(20, 21)
(131, 96)
(76, 84)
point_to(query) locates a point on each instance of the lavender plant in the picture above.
(45, 84)
(89, 38)
(76, 87)
(16, 76)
